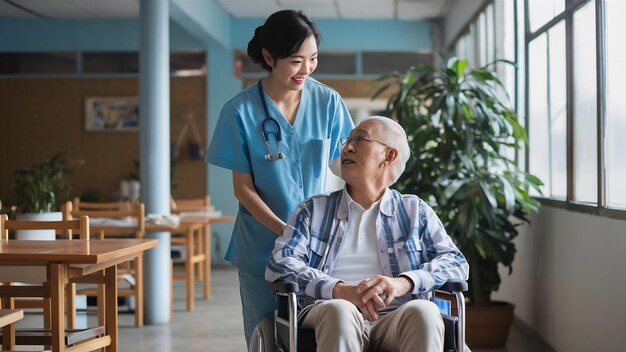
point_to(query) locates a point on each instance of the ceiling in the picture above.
(330, 9)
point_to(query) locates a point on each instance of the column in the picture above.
(154, 138)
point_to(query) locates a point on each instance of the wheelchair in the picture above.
(286, 336)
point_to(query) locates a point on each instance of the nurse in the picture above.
(279, 136)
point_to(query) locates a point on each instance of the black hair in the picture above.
(282, 35)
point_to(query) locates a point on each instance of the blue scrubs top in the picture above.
(309, 147)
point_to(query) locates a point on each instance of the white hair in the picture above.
(393, 135)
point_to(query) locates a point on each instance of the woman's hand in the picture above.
(246, 194)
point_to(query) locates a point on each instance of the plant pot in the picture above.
(37, 234)
(488, 326)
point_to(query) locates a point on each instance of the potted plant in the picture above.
(459, 128)
(37, 190)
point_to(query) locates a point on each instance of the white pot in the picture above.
(38, 234)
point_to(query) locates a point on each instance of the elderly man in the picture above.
(368, 253)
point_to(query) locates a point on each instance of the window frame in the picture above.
(469, 31)
(523, 37)
(601, 207)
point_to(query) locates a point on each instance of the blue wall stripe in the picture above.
(380, 35)
(31, 35)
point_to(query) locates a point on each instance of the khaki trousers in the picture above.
(415, 326)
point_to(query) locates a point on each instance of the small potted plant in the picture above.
(460, 126)
(37, 190)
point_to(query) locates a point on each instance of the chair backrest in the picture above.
(191, 204)
(112, 210)
(35, 274)
(79, 205)
(80, 226)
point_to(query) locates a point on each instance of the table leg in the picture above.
(189, 269)
(207, 261)
(101, 303)
(71, 305)
(198, 251)
(58, 279)
(110, 293)
(8, 331)
(139, 290)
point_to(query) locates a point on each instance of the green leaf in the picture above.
(489, 194)
(461, 65)
(453, 188)
(380, 91)
(509, 194)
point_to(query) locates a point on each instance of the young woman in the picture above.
(278, 137)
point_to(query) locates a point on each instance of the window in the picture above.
(37, 63)
(111, 62)
(491, 36)
(336, 63)
(349, 63)
(538, 129)
(547, 111)
(542, 11)
(615, 142)
(188, 63)
(575, 103)
(183, 63)
(585, 106)
(377, 62)
(568, 90)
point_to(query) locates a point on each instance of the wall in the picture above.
(340, 35)
(567, 280)
(44, 116)
(26, 35)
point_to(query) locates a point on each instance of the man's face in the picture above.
(363, 154)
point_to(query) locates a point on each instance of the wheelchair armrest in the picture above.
(454, 285)
(283, 286)
(286, 313)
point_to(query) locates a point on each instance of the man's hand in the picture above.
(383, 289)
(349, 293)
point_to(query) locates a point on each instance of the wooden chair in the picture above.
(196, 241)
(42, 303)
(82, 339)
(132, 274)
(78, 205)
(7, 318)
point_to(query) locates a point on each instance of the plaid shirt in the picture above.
(410, 237)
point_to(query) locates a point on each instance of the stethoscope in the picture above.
(270, 126)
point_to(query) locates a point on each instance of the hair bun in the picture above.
(255, 46)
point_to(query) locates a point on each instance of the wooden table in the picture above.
(67, 261)
(188, 226)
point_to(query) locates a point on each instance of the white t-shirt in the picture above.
(358, 257)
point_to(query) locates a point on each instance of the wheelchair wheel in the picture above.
(262, 339)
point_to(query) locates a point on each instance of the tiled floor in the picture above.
(216, 324)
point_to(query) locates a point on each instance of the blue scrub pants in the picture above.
(257, 301)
